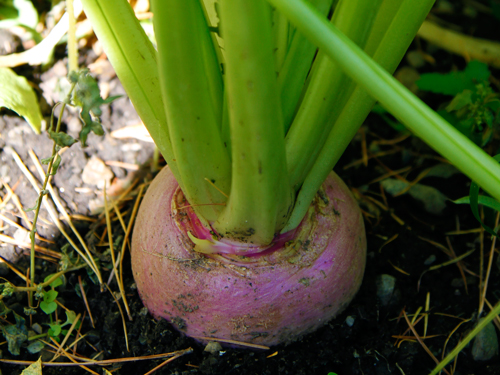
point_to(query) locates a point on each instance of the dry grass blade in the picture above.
(438, 266)
(162, 364)
(459, 264)
(18, 204)
(129, 226)
(390, 174)
(488, 270)
(13, 269)
(75, 322)
(421, 342)
(241, 343)
(26, 245)
(104, 362)
(496, 320)
(84, 296)
(14, 224)
(451, 334)
(426, 316)
(113, 258)
(54, 217)
(61, 209)
(388, 242)
(123, 317)
(70, 357)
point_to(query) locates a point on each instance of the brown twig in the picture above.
(84, 296)
(421, 342)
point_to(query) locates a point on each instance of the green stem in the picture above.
(388, 46)
(43, 191)
(19, 289)
(478, 328)
(260, 199)
(134, 59)
(398, 100)
(296, 67)
(324, 93)
(192, 98)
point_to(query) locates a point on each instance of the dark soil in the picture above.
(361, 340)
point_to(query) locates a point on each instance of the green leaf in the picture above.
(474, 199)
(48, 307)
(46, 161)
(34, 369)
(56, 164)
(55, 283)
(62, 139)
(454, 83)
(50, 296)
(460, 100)
(17, 95)
(88, 97)
(70, 318)
(55, 330)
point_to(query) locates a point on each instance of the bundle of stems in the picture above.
(252, 102)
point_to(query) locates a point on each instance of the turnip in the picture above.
(247, 236)
(271, 295)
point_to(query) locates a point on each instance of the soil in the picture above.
(361, 340)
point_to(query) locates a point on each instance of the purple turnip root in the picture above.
(268, 297)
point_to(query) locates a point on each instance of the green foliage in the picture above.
(475, 108)
(88, 97)
(62, 139)
(56, 328)
(48, 305)
(474, 199)
(17, 95)
(454, 83)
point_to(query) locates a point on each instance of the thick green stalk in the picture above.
(310, 126)
(418, 117)
(192, 98)
(260, 199)
(296, 67)
(280, 29)
(134, 59)
(395, 27)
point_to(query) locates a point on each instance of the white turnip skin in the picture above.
(269, 298)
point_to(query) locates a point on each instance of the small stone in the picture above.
(485, 345)
(97, 173)
(350, 321)
(430, 260)
(385, 288)
(213, 347)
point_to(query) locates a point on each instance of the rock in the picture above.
(485, 345)
(350, 321)
(97, 173)
(430, 260)
(213, 347)
(385, 288)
